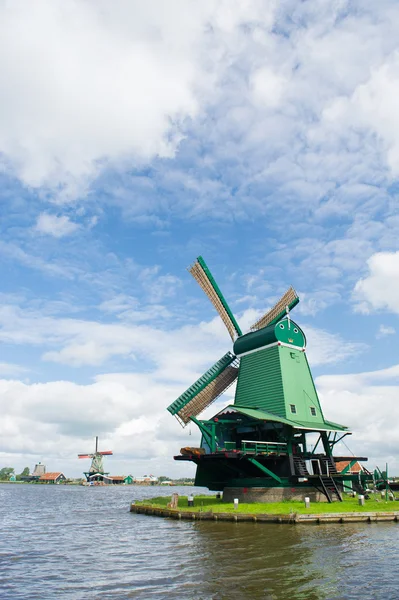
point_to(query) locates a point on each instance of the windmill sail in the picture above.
(289, 299)
(202, 274)
(206, 389)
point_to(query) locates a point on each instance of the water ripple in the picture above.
(82, 543)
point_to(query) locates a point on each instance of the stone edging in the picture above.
(364, 517)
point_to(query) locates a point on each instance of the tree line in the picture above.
(7, 472)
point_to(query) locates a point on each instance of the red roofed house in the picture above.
(353, 469)
(52, 478)
(117, 479)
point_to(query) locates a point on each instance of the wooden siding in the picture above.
(299, 388)
(260, 383)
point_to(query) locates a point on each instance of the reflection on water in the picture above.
(78, 543)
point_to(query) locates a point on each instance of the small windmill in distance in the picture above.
(96, 471)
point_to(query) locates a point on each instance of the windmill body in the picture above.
(273, 442)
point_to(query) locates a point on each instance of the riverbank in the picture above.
(211, 508)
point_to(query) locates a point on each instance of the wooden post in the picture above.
(174, 503)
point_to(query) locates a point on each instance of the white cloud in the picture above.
(379, 290)
(327, 348)
(124, 85)
(129, 309)
(7, 369)
(268, 87)
(50, 267)
(373, 107)
(386, 330)
(367, 403)
(56, 226)
(89, 83)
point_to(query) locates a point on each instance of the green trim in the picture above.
(262, 415)
(209, 434)
(326, 426)
(201, 383)
(219, 293)
(337, 427)
(264, 469)
(348, 467)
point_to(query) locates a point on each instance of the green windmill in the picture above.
(273, 442)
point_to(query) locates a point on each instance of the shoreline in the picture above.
(288, 519)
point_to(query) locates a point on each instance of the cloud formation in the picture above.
(379, 290)
(55, 226)
(126, 84)
(87, 84)
(367, 403)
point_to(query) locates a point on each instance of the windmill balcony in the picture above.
(255, 447)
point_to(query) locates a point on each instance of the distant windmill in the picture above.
(96, 471)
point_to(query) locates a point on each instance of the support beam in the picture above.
(335, 441)
(326, 445)
(316, 444)
(348, 466)
(264, 469)
(289, 437)
(208, 433)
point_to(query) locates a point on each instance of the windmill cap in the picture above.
(285, 331)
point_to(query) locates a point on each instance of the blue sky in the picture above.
(262, 135)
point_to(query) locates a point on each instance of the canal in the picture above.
(78, 543)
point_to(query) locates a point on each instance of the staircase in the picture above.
(324, 483)
(300, 467)
(331, 465)
(329, 488)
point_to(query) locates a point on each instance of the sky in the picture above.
(262, 135)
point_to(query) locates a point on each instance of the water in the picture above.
(61, 542)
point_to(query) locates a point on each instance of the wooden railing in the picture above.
(255, 447)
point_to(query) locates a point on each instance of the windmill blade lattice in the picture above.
(206, 389)
(203, 276)
(278, 311)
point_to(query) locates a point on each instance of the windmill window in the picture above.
(281, 326)
(312, 411)
(293, 408)
(295, 330)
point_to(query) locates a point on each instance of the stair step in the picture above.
(330, 488)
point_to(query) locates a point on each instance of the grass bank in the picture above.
(287, 507)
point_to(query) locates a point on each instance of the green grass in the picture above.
(211, 504)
